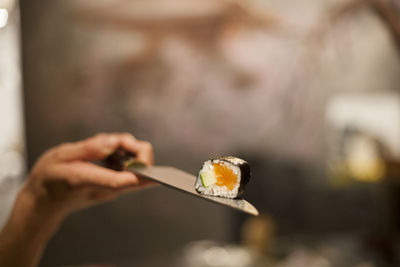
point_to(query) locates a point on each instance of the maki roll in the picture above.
(223, 177)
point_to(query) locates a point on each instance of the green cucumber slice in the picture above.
(207, 178)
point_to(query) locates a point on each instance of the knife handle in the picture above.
(121, 159)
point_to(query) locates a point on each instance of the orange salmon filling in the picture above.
(225, 176)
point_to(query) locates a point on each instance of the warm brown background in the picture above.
(200, 80)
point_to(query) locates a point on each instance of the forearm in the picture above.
(27, 232)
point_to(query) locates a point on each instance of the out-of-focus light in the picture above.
(3, 17)
(363, 160)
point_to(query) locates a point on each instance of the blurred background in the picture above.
(306, 91)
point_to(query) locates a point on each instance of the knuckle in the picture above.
(56, 152)
(128, 136)
(101, 137)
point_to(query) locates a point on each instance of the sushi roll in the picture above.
(223, 177)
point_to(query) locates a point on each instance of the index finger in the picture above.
(102, 145)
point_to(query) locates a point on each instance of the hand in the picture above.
(64, 179)
(61, 181)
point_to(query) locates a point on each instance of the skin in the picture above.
(64, 180)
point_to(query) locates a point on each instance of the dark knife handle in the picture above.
(121, 159)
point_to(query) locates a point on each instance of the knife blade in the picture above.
(183, 181)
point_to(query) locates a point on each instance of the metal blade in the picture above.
(178, 179)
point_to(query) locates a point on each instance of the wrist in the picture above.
(30, 219)
(27, 231)
(35, 210)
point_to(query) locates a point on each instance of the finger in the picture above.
(79, 174)
(94, 148)
(142, 149)
(145, 153)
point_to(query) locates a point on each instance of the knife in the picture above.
(171, 177)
